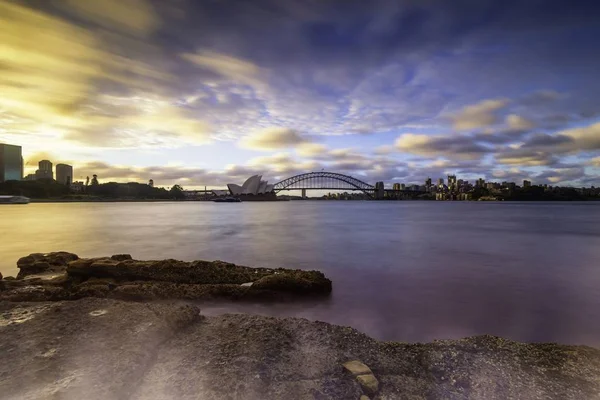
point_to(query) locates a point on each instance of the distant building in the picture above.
(379, 190)
(11, 163)
(45, 170)
(452, 182)
(64, 174)
(76, 187)
(526, 183)
(428, 182)
(30, 177)
(402, 186)
(441, 182)
(480, 182)
(396, 186)
(151, 183)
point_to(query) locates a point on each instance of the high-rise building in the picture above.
(428, 182)
(379, 190)
(45, 170)
(396, 186)
(64, 174)
(441, 182)
(526, 183)
(452, 181)
(402, 186)
(11, 163)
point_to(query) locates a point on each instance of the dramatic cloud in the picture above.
(478, 115)
(486, 88)
(452, 146)
(518, 123)
(132, 16)
(226, 66)
(273, 139)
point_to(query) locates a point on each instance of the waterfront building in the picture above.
(526, 183)
(45, 170)
(76, 187)
(396, 186)
(379, 190)
(11, 163)
(440, 182)
(402, 186)
(253, 185)
(64, 174)
(452, 182)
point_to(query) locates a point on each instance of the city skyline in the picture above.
(138, 90)
(45, 171)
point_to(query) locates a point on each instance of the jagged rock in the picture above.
(369, 383)
(121, 277)
(298, 282)
(357, 368)
(38, 263)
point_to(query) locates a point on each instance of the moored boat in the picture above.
(14, 200)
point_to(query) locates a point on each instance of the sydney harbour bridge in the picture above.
(332, 181)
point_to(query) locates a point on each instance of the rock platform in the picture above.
(108, 349)
(64, 276)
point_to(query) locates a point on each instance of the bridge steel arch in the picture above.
(324, 180)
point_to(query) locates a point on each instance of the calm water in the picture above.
(410, 271)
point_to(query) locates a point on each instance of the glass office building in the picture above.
(11, 163)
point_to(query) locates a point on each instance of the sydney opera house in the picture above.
(253, 185)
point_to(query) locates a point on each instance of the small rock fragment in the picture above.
(369, 383)
(247, 284)
(357, 368)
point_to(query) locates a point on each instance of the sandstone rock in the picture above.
(297, 282)
(357, 368)
(37, 263)
(119, 276)
(369, 383)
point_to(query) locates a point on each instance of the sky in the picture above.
(210, 92)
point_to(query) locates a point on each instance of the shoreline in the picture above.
(113, 349)
(118, 328)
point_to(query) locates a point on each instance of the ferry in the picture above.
(14, 200)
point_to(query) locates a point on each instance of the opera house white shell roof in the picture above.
(253, 185)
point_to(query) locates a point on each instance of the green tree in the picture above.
(176, 192)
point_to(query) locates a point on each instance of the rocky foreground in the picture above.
(111, 349)
(64, 276)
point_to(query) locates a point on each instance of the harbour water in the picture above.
(408, 271)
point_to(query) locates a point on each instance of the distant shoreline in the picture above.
(310, 199)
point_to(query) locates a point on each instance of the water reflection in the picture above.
(410, 271)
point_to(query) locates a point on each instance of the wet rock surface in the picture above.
(110, 349)
(65, 276)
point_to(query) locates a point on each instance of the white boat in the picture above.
(14, 200)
